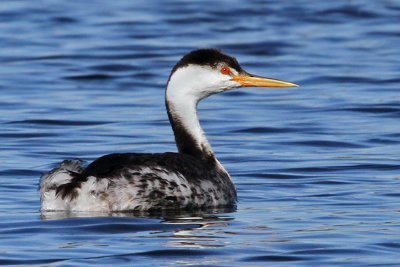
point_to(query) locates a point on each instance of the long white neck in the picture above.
(182, 98)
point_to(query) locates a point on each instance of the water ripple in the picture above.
(274, 258)
(90, 77)
(59, 122)
(316, 168)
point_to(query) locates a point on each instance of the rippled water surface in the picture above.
(316, 168)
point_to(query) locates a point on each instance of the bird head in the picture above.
(204, 72)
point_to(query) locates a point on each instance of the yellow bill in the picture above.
(257, 81)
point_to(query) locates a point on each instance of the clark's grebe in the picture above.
(193, 178)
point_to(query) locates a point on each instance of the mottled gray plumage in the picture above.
(129, 166)
(190, 179)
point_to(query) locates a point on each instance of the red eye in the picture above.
(225, 70)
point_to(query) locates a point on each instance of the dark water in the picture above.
(317, 168)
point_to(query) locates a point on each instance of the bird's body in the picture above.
(190, 179)
(130, 181)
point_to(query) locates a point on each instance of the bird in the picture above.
(190, 179)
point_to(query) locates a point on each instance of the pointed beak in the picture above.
(246, 79)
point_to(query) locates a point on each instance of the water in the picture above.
(316, 168)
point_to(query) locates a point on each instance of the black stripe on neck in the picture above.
(186, 143)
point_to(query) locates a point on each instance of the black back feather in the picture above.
(113, 165)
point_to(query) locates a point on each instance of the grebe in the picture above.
(193, 178)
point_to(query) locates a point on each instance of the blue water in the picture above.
(316, 168)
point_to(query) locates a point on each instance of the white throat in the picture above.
(182, 96)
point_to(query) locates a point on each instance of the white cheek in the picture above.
(228, 83)
(232, 84)
(193, 83)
